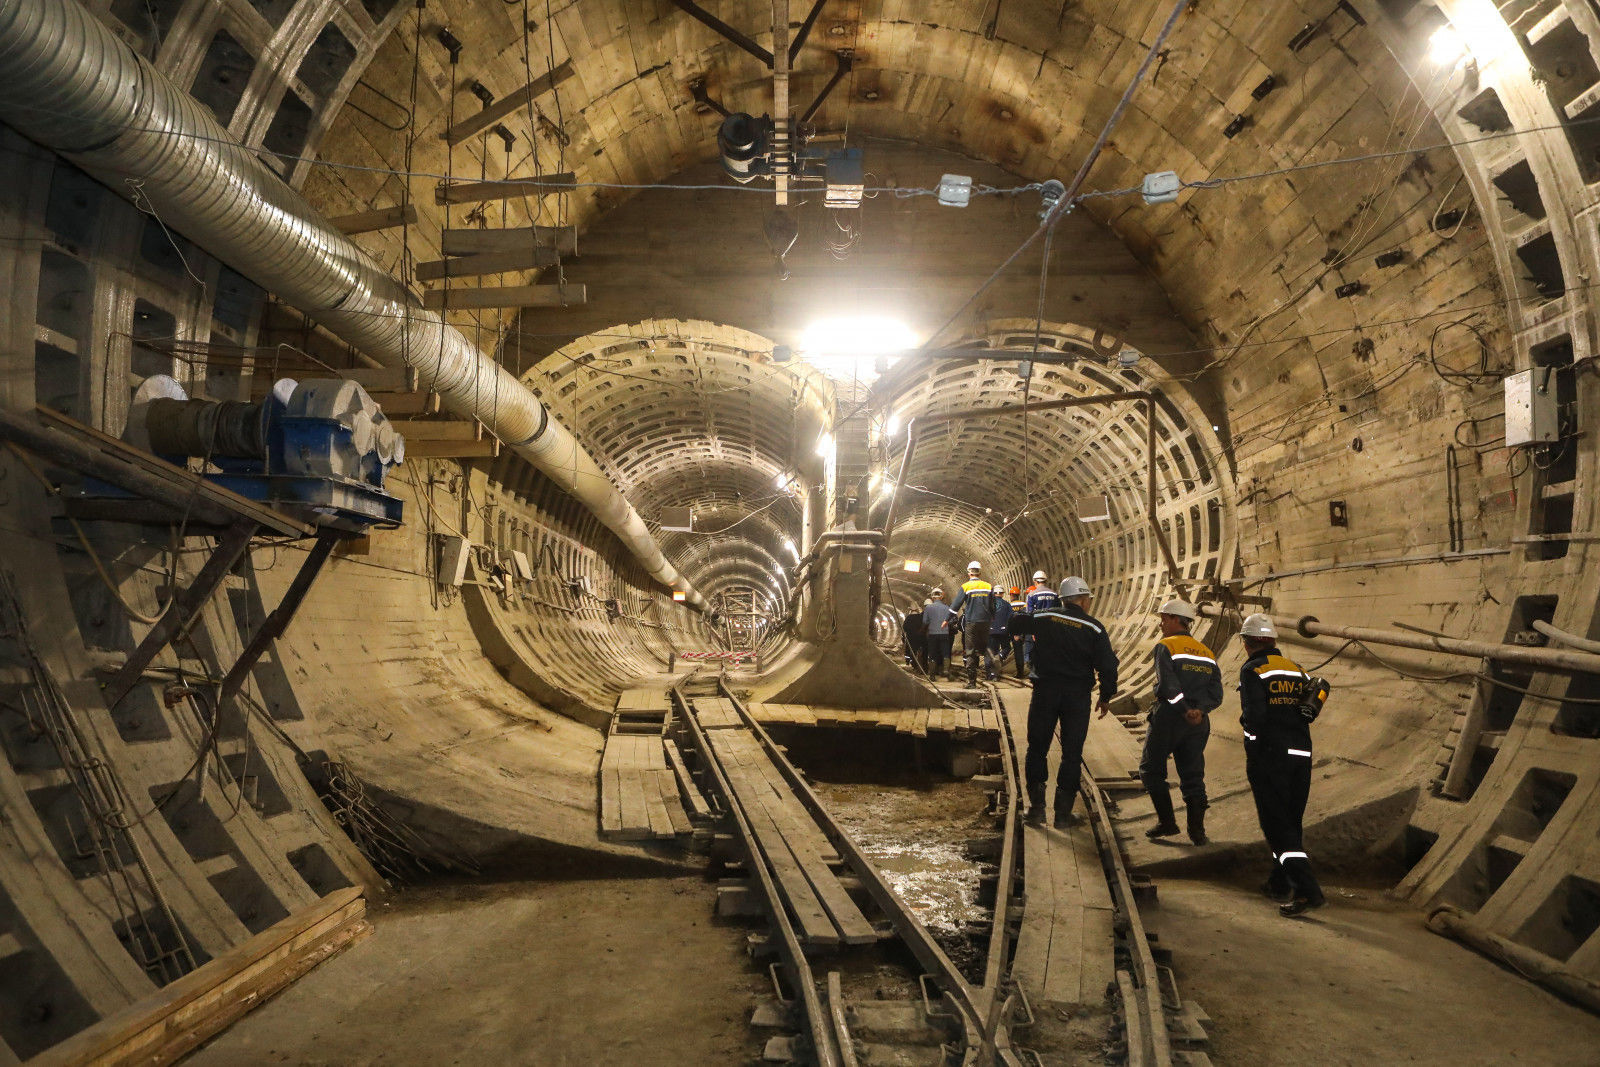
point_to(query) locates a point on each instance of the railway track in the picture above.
(857, 978)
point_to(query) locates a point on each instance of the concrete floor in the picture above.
(551, 973)
(1360, 982)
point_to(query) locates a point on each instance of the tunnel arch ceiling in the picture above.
(692, 414)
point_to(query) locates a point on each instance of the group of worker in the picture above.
(979, 615)
(1067, 651)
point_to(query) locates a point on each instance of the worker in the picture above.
(1070, 650)
(936, 620)
(916, 634)
(1019, 642)
(1040, 596)
(999, 640)
(974, 606)
(1277, 761)
(1188, 688)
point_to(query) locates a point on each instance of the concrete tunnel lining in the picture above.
(1285, 400)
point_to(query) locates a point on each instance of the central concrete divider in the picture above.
(840, 665)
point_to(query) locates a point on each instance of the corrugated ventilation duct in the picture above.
(71, 85)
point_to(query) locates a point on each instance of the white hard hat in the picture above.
(1074, 586)
(1038, 576)
(1258, 625)
(974, 566)
(938, 592)
(1180, 608)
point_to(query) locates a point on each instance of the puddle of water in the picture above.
(917, 838)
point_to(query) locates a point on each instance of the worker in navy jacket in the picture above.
(1070, 651)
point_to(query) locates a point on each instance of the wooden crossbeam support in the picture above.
(488, 448)
(498, 110)
(384, 218)
(478, 192)
(509, 296)
(475, 242)
(415, 402)
(527, 258)
(437, 430)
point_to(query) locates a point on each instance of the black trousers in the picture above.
(976, 637)
(1170, 735)
(1063, 704)
(1019, 653)
(938, 652)
(917, 650)
(1280, 781)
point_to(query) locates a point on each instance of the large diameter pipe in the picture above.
(1547, 659)
(71, 85)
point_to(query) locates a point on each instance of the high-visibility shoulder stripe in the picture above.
(1287, 856)
(1278, 674)
(1176, 699)
(1197, 659)
(1064, 617)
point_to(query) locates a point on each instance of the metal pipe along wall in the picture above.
(72, 86)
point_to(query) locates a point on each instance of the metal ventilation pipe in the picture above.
(72, 86)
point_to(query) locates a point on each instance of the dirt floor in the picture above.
(1359, 982)
(550, 973)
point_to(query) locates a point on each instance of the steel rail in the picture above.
(1149, 1043)
(967, 1001)
(793, 955)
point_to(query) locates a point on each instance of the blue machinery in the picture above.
(319, 450)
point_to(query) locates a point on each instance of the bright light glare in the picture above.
(894, 425)
(785, 480)
(790, 545)
(913, 566)
(854, 345)
(1446, 46)
(680, 597)
(825, 445)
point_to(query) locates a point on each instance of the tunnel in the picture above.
(1273, 309)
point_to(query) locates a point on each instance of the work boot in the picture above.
(1197, 825)
(1066, 820)
(1035, 816)
(1166, 821)
(1301, 905)
(1276, 891)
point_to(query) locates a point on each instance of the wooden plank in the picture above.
(505, 296)
(666, 784)
(488, 448)
(398, 404)
(380, 379)
(692, 797)
(529, 258)
(477, 192)
(507, 105)
(476, 242)
(610, 799)
(437, 430)
(185, 1013)
(383, 218)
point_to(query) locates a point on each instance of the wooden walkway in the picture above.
(1066, 946)
(645, 790)
(804, 863)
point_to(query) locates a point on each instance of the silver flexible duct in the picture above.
(72, 86)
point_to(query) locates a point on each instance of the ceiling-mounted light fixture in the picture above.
(1446, 47)
(679, 595)
(913, 566)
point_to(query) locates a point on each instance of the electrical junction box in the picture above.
(846, 181)
(453, 553)
(1531, 408)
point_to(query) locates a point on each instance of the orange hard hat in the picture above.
(1015, 591)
